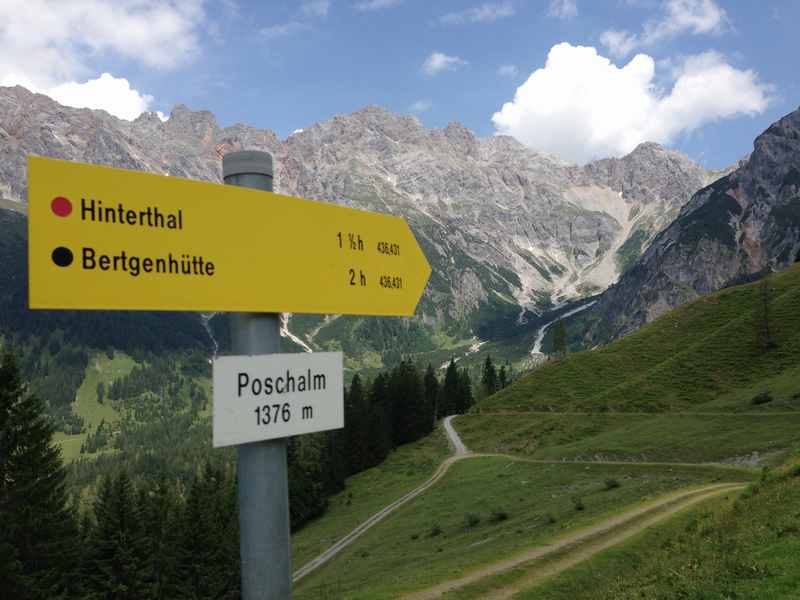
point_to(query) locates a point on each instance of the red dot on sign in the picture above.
(61, 206)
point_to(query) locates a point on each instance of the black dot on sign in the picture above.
(62, 256)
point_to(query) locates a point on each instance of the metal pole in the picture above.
(261, 467)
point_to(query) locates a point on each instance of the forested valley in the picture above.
(148, 509)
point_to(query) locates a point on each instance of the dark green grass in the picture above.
(402, 553)
(693, 355)
(669, 437)
(743, 549)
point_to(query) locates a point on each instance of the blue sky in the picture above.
(577, 78)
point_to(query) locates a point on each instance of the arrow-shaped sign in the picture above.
(103, 238)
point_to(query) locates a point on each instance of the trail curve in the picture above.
(460, 452)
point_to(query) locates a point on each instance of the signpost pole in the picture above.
(261, 466)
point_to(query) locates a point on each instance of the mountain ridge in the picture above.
(736, 229)
(510, 233)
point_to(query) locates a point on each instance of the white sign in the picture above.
(276, 395)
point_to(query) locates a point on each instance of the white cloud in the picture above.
(696, 17)
(438, 62)
(420, 106)
(50, 42)
(316, 8)
(619, 42)
(309, 10)
(369, 5)
(485, 13)
(279, 30)
(108, 93)
(48, 45)
(581, 106)
(563, 9)
(507, 70)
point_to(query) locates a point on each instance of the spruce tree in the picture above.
(307, 493)
(12, 581)
(334, 475)
(489, 377)
(160, 511)
(408, 403)
(85, 536)
(207, 565)
(37, 527)
(356, 426)
(118, 548)
(465, 398)
(431, 394)
(448, 394)
(380, 425)
(502, 377)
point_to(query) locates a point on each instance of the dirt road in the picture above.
(460, 452)
(601, 535)
(581, 544)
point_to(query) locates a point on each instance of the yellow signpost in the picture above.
(103, 238)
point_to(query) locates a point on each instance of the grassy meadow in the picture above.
(704, 354)
(101, 369)
(367, 492)
(745, 547)
(486, 509)
(665, 437)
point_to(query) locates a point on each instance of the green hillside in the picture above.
(745, 548)
(659, 411)
(742, 438)
(486, 509)
(709, 355)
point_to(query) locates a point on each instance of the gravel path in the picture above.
(587, 541)
(460, 452)
(582, 544)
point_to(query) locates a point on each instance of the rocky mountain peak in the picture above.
(462, 139)
(649, 172)
(198, 123)
(740, 226)
(147, 118)
(775, 151)
(180, 110)
(648, 149)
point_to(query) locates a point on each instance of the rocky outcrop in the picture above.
(743, 225)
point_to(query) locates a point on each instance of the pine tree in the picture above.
(380, 426)
(408, 403)
(560, 340)
(489, 377)
(85, 536)
(448, 393)
(160, 510)
(502, 377)
(118, 548)
(307, 493)
(356, 426)
(13, 582)
(465, 397)
(208, 566)
(336, 452)
(431, 394)
(37, 527)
